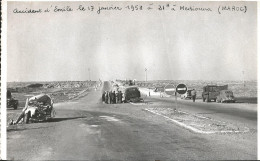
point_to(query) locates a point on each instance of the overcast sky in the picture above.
(121, 44)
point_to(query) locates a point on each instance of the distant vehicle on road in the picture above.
(210, 92)
(158, 89)
(226, 96)
(187, 94)
(131, 94)
(11, 102)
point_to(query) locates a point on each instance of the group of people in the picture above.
(111, 97)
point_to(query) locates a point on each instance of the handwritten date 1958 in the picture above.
(134, 7)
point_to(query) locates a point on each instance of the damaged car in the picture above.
(37, 108)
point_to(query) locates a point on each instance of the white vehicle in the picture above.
(186, 95)
(38, 108)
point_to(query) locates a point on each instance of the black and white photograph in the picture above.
(131, 80)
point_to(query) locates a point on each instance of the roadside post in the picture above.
(180, 89)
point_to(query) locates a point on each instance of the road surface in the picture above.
(90, 130)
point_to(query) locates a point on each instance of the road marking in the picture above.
(109, 118)
(138, 104)
(194, 129)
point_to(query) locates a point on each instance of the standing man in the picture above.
(193, 95)
(106, 97)
(110, 97)
(120, 95)
(114, 97)
(103, 97)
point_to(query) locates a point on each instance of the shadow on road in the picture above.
(64, 119)
(252, 100)
(22, 129)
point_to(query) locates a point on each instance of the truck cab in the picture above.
(11, 102)
(131, 94)
(210, 92)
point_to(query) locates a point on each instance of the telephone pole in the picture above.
(244, 83)
(89, 74)
(145, 69)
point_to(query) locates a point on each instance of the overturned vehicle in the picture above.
(37, 108)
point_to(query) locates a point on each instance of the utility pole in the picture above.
(244, 83)
(89, 74)
(145, 69)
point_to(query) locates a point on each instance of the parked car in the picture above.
(158, 89)
(131, 94)
(186, 95)
(226, 96)
(11, 102)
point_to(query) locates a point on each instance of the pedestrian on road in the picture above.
(119, 97)
(110, 97)
(106, 97)
(114, 97)
(193, 95)
(103, 96)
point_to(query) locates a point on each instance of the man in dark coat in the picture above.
(103, 96)
(193, 95)
(119, 97)
(106, 97)
(110, 97)
(114, 96)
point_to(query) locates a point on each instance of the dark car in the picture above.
(226, 96)
(11, 102)
(132, 94)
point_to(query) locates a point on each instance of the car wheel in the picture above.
(203, 99)
(26, 118)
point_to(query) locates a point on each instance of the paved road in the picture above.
(242, 113)
(88, 129)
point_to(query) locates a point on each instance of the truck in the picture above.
(131, 94)
(211, 92)
(11, 102)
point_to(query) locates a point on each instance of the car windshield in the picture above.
(229, 92)
(132, 89)
(213, 89)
